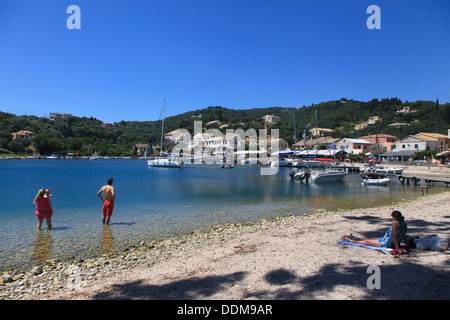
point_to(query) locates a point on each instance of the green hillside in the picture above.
(86, 135)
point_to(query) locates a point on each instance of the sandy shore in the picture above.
(424, 170)
(290, 258)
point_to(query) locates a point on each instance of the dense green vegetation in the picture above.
(86, 135)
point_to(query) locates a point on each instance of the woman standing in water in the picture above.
(43, 209)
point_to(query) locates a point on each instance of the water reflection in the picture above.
(42, 245)
(107, 240)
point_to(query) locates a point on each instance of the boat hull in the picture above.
(280, 163)
(306, 164)
(166, 163)
(389, 170)
(301, 175)
(329, 176)
(376, 182)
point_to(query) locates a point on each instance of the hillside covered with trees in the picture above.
(85, 136)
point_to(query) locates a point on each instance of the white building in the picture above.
(212, 144)
(411, 143)
(177, 136)
(271, 118)
(354, 146)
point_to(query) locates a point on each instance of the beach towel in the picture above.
(383, 250)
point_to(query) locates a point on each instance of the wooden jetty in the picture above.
(417, 178)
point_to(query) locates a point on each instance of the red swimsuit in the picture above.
(43, 208)
(108, 207)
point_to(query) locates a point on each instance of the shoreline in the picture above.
(294, 257)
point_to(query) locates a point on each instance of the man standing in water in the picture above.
(108, 202)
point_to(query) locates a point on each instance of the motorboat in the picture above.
(300, 175)
(376, 182)
(386, 170)
(306, 163)
(328, 175)
(280, 163)
(164, 162)
(51, 157)
(227, 166)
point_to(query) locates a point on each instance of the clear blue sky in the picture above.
(130, 55)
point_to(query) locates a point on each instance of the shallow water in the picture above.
(154, 203)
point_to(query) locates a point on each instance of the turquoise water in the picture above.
(153, 203)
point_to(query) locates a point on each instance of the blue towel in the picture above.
(384, 250)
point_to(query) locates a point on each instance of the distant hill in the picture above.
(86, 135)
(341, 115)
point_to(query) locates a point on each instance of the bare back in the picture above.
(108, 193)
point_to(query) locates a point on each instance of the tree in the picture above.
(17, 145)
(378, 149)
(427, 153)
(46, 144)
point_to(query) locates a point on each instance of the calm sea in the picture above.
(153, 203)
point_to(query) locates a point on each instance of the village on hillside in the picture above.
(313, 142)
(386, 147)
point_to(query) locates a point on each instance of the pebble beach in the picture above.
(295, 257)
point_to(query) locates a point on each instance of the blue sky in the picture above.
(129, 56)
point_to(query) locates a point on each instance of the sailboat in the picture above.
(163, 161)
(328, 174)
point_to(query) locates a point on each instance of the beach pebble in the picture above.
(36, 270)
(7, 278)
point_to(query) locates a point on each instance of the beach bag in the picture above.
(399, 251)
(439, 244)
(433, 243)
(422, 244)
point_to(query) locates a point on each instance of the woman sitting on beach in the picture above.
(392, 237)
(43, 209)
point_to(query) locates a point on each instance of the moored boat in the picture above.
(164, 162)
(328, 176)
(376, 182)
(300, 175)
(386, 170)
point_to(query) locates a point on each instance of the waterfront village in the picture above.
(319, 144)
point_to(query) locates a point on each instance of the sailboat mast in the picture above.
(316, 132)
(295, 136)
(162, 129)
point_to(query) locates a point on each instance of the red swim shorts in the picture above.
(108, 207)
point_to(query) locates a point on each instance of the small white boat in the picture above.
(328, 176)
(389, 170)
(306, 163)
(279, 163)
(51, 157)
(94, 156)
(376, 182)
(227, 166)
(163, 162)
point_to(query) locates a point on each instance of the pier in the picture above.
(417, 178)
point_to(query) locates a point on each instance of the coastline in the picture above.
(296, 257)
(426, 170)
